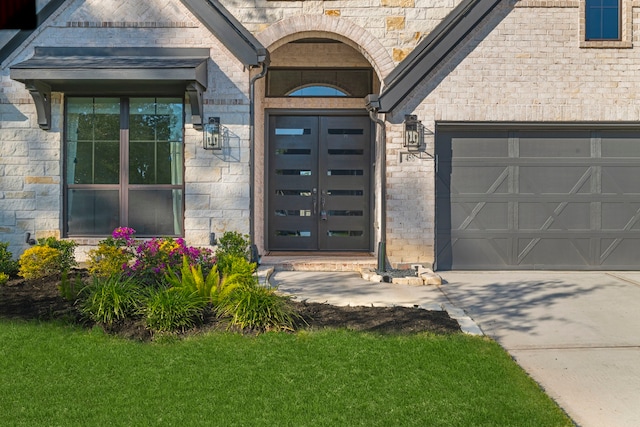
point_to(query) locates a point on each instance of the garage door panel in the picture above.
(564, 144)
(554, 216)
(480, 180)
(621, 179)
(554, 179)
(480, 216)
(481, 252)
(544, 198)
(549, 250)
(495, 144)
(622, 144)
(620, 216)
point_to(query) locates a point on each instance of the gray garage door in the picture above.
(562, 198)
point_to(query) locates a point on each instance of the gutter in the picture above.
(373, 106)
(264, 62)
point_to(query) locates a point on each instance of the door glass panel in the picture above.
(292, 151)
(345, 152)
(345, 172)
(304, 193)
(292, 131)
(345, 192)
(345, 213)
(293, 233)
(345, 233)
(291, 212)
(297, 172)
(345, 131)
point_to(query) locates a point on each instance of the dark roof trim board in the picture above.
(229, 31)
(114, 71)
(445, 37)
(22, 35)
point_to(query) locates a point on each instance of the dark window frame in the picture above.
(604, 25)
(273, 70)
(123, 187)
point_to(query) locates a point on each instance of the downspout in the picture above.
(263, 59)
(373, 105)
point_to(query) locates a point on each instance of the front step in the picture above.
(342, 261)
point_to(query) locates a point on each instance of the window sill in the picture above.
(606, 44)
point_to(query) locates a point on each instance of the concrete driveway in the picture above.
(576, 333)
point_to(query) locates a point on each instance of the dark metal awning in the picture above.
(113, 71)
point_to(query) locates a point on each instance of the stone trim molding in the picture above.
(297, 27)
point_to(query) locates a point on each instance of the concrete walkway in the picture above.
(576, 333)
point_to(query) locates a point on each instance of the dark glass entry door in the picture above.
(319, 183)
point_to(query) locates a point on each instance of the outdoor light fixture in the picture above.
(211, 135)
(412, 132)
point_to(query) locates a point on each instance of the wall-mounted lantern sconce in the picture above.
(412, 132)
(212, 140)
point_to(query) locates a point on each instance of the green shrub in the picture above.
(234, 243)
(68, 289)
(172, 309)
(107, 300)
(4, 278)
(39, 261)
(191, 278)
(256, 307)
(65, 247)
(107, 259)
(230, 246)
(8, 265)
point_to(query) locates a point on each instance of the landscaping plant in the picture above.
(113, 254)
(8, 265)
(154, 257)
(192, 279)
(172, 309)
(67, 251)
(110, 299)
(40, 261)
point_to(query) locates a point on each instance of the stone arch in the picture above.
(321, 26)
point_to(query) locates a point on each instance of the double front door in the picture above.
(319, 183)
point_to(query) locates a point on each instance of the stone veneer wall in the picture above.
(217, 184)
(527, 62)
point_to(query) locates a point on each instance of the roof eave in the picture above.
(229, 31)
(432, 51)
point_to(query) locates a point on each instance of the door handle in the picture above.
(315, 201)
(323, 212)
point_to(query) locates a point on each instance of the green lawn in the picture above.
(57, 375)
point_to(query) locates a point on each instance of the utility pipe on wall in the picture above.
(252, 137)
(372, 106)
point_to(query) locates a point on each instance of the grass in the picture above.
(55, 375)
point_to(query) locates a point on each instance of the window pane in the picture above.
(602, 20)
(156, 212)
(92, 212)
(319, 82)
(610, 23)
(92, 140)
(155, 145)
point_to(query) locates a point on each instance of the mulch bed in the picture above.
(40, 299)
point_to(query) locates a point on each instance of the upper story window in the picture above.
(602, 20)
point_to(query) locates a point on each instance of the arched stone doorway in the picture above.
(315, 83)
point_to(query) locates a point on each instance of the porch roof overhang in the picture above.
(113, 71)
(429, 53)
